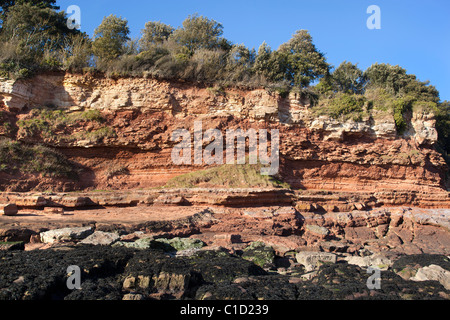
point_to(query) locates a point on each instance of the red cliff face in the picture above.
(130, 148)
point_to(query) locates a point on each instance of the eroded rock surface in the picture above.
(362, 196)
(131, 147)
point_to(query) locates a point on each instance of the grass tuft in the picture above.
(227, 176)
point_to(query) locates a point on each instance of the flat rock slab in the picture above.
(317, 231)
(377, 261)
(36, 219)
(100, 238)
(312, 260)
(66, 234)
(433, 272)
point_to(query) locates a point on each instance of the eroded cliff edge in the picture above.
(102, 123)
(361, 195)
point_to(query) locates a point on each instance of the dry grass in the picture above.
(227, 176)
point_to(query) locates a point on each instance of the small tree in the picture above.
(6, 5)
(396, 81)
(30, 32)
(77, 52)
(301, 61)
(155, 34)
(348, 78)
(391, 78)
(199, 32)
(110, 38)
(269, 64)
(262, 63)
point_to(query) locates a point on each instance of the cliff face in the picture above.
(139, 116)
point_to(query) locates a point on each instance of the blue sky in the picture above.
(414, 34)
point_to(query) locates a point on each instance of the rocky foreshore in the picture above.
(353, 198)
(153, 269)
(220, 252)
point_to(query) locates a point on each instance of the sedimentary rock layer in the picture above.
(141, 114)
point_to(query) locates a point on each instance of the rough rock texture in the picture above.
(221, 252)
(403, 230)
(362, 196)
(433, 272)
(66, 234)
(260, 254)
(101, 238)
(8, 209)
(126, 274)
(312, 260)
(143, 113)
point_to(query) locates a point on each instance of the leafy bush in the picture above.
(400, 106)
(347, 78)
(45, 123)
(36, 159)
(110, 38)
(343, 106)
(155, 34)
(89, 115)
(96, 135)
(397, 82)
(32, 37)
(199, 32)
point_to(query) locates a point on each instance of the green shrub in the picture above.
(400, 107)
(45, 122)
(89, 115)
(51, 63)
(14, 70)
(93, 136)
(105, 132)
(343, 106)
(425, 106)
(35, 159)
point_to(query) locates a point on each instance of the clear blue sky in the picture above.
(415, 34)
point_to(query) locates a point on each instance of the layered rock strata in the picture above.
(139, 116)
